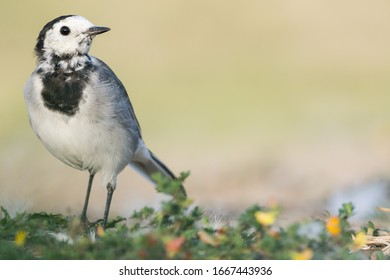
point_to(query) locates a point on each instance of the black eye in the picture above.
(65, 30)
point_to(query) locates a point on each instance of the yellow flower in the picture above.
(20, 238)
(266, 218)
(333, 226)
(306, 254)
(359, 240)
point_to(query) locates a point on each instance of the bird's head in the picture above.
(66, 37)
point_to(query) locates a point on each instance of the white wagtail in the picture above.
(80, 110)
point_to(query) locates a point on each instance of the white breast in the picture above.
(89, 140)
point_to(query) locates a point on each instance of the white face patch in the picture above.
(74, 42)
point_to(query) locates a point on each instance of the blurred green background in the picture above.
(260, 100)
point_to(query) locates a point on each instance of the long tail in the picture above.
(148, 164)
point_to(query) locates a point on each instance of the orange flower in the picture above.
(99, 231)
(173, 246)
(333, 226)
(207, 238)
(384, 209)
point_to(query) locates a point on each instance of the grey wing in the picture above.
(125, 113)
(143, 159)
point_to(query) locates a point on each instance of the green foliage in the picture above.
(179, 230)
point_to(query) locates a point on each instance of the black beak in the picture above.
(95, 30)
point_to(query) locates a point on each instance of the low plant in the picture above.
(180, 230)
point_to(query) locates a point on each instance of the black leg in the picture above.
(84, 213)
(110, 192)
